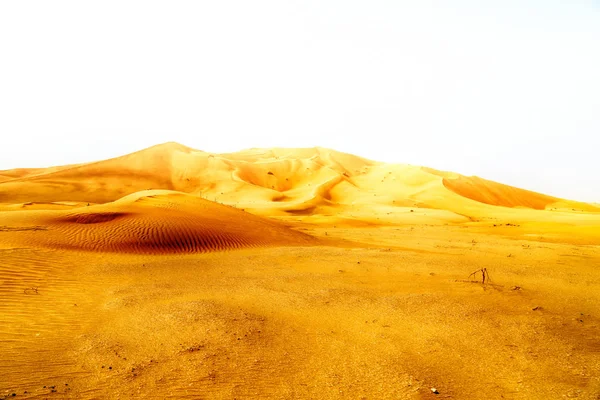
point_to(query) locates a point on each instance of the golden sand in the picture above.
(292, 274)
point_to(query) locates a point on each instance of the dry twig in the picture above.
(484, 275)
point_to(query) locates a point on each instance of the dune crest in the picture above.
(498, 194)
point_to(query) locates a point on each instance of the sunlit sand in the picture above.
(292, 274)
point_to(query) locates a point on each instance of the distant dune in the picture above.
(497, 194)
(271, 182)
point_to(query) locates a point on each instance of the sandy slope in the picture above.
(322, 276)
(268, 181)
(148, 222)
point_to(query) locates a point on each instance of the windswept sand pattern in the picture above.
(165, 223)
(140, 233)
(42, 301)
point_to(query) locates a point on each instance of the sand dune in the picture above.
(493, 193)
(20, 173)
(316, 185)
(149, 222)
(350, 279)
(269, 181)
(497, 194)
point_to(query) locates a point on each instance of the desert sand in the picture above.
(292, 274)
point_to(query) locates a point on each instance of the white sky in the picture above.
(506, 90)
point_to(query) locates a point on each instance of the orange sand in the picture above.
(320, 275)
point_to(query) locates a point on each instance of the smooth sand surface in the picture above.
(292, 274)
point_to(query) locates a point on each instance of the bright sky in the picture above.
(508, 90)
